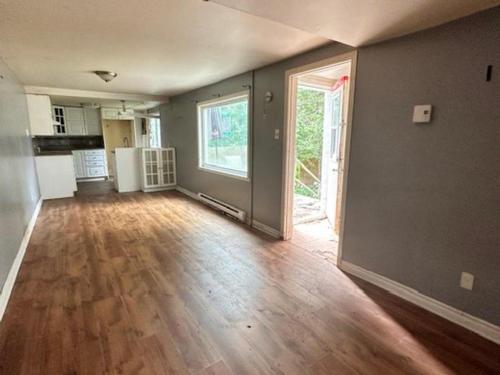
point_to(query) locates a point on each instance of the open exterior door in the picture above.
(334, 157)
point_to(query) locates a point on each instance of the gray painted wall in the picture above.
(18, 182)
(423, 201)
(181, 132)
(267, 117)
(179, 129)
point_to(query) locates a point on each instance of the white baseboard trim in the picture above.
(255, 224)
(157, 189)
(187, 192)
(266, 229)
(472, 323)
(14, 269)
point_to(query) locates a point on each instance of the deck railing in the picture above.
(301, 166)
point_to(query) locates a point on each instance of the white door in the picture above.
(40, 114)
(152, 176)
(79, 164)
(167, 166)
(92, 121)
(75, 120)
(334, 158)
(59, 115)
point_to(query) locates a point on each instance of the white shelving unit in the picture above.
(157, 169)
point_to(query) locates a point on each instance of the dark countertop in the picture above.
(64, 136)
(52, 153)
(64, 152)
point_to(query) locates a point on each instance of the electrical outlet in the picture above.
(467, 280)
(276, 134)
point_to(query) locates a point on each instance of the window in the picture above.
(154, 133)
(223, 135)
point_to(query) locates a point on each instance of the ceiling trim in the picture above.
(54, 91)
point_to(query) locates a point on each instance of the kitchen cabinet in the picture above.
(56, 176)
(92, 121)
(79, 164)
(117, 114)
(109, 113)
(59, 120)
(40, 115)
(158, 169)
(75, 121)
(90, 164)
(127, 169)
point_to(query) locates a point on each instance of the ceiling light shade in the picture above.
(105, 75)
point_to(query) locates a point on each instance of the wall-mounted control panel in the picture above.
(276, 134)
(422, 113)
(467, 281)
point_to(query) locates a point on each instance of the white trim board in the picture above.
(288, 163)
(266, 229)
(472, 323)
(187, 192)
(56, 91)
(14, 269)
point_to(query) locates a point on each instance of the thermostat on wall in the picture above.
(422, 113)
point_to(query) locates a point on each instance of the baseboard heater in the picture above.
(224, 207)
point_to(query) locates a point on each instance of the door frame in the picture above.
(289, 132)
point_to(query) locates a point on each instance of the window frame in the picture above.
(226, 99)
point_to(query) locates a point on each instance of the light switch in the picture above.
(422, 113)
(276, 134)
(467, 280)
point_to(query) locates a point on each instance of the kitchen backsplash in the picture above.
(66, 143)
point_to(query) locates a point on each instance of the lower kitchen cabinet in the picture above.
(56, 177)
(90, 163)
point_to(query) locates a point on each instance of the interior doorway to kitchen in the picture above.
(116, 133)
(317, 138)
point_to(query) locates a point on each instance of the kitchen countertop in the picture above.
(53, 153)
(63, 152)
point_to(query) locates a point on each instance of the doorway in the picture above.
(116, 133)
(317, 135)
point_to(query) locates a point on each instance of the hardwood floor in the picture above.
(158, 284)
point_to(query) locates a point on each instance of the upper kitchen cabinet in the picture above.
(75, 120)
(39, 110)
(116, 114)
(92, 121)
(59, 120)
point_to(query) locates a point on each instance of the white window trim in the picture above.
(214, 103)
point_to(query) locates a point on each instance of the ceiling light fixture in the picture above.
(105, 75)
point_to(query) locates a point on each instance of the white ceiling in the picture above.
(360, 22)
(165, 47)
(156, 46)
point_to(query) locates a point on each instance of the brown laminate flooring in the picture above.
(159, 284)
